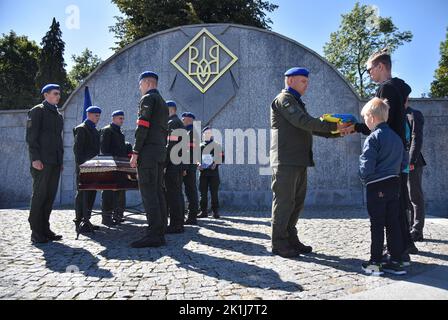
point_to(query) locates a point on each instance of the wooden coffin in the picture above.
(107, 173)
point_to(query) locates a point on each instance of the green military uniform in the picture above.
(150, 145)
(189, 180)
(291, 154)
(86, 147)
(173, 179)
(113, 144)
(44, 138)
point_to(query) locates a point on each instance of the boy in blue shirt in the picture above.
(382, 159)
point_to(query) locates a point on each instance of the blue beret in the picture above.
(206, 128)
(50, 87)
(297, 72)
(93, 109)
(118, 113)
(148, 74)
(171, 103)
(188, 115)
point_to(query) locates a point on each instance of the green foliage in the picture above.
(85, 63)
(439, 87)
(145, 17)
(361, 33)
(51, 61)
(18, 68)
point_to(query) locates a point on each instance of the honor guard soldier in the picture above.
(44, 138)
(86, 147)
(291, 153)
(212, 156)
(149, 156)
(190, 169)
(113, 144)
(173, 174)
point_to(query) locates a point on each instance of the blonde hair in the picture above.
(382, 56)
(379, 108)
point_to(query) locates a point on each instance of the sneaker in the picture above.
(405, 260)
(394, 268)
(372, 268)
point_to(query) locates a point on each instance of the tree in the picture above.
(439, 87)
(51, 61)
(18, 68)
(145, 17)
(85, 63)
(362, 32)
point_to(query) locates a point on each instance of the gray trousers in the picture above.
(417, 207)
(289, 185)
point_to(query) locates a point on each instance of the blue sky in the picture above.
(308, 22)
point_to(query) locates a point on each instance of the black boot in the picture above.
(203, 214)
(108, 221)
(216, 214)
(191, 221)
(53, 236)
(38, 238)
(148, 242)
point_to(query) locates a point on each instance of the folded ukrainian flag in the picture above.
(338, 118)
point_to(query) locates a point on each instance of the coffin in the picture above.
(107, 173)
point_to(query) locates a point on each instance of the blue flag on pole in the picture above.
(87, 103)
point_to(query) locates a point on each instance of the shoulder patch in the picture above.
(286, 104)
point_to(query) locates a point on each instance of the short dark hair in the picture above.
(383, 57)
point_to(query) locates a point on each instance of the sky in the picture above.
(309, 22)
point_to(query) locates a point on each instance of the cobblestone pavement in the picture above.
(220, 259)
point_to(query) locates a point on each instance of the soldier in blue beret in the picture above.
(149, 156)
(86, 147)
(113, 143)
(44, 139)
(291, 153)
(190, 169)
(173, 173)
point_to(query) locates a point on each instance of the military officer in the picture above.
(149, 156)
(190, 169)
(292, 129)
(44, 139)
(86, 147)
(113, 144)
(173, 174)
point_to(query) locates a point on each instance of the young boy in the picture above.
(212, 156)
(382, 159)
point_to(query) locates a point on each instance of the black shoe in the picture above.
(53, 236)
(108, 221)
(191, 221)
(118, 218)
(412, 249)
(37, 238)
(86, 227)
(216, 215)
(417, 237)
(405, 260)
(394, 268)
(286, 253)
(173, 230)
(203, 214)
(302, 248)
(148, 242)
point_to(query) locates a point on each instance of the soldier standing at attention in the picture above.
(173, 174)
(292, 130)
(86, 147)
(113, 144)
(190, 170)
(44, 138)
(149, 156)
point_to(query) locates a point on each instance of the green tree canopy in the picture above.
(362, 32)
(18, 68)
(85, 63)
(51, 61)
(439, 87)
(145, 17)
